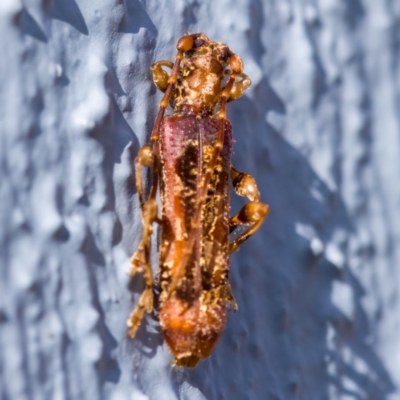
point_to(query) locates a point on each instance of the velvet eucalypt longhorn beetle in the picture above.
(190, 155)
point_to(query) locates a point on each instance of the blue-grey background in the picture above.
(317, 287)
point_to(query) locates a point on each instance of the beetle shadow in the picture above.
(286, 318)
(148, 337)
(125, 148)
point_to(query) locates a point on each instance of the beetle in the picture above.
(190, 156)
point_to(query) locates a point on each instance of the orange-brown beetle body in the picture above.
(191, 159)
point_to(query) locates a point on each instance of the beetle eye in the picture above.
(198, 42)
(224, 54)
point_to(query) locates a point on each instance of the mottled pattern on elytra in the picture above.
(183, 168)
(193, 315)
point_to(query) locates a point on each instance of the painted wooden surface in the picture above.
(317, 288)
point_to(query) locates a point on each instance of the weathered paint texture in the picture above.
(318, 287)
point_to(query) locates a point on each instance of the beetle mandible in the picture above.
(190, 155)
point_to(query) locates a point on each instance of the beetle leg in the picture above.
(161, 77)
(185, 43)
(141, 259)
(239, 87)
(252, 213)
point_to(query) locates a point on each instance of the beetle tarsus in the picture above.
(252, 213)
(145, 304)
(161, 77)
(239, 87)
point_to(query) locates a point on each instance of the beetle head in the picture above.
(204, 48)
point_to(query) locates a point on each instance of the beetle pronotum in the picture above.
(190, 153)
